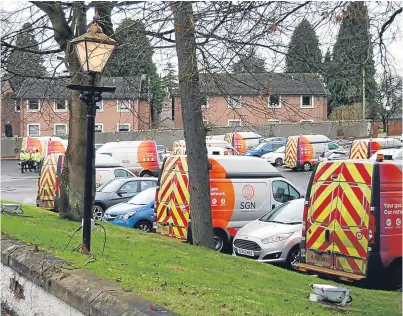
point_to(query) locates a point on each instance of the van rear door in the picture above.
(291, 152)
(165, 197)
(47, 182)
(359, 149)
(352, 218)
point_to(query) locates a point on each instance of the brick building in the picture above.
(40, 107)
(259, 99)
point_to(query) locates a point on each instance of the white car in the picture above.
(276, 157)
(275, 237)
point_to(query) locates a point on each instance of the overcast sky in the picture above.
(326, 35)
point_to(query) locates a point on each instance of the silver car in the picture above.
(273, 238)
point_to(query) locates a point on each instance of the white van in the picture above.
(140, 157)
(179, 146)
(238, 195)
(108, 168)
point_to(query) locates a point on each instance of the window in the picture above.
(122, 106)
(130, 187)
(273, 121)
(233, 123)
(205, 103)
(99, 128)
(306, 101)
(234, 102)
(17, 106)
(34, 130)
(306, 121)
(33, 105)
(332, 146)
(60, 105)
(147, 184)
(100, 105)
(121, 173)
(60, 129)
(283, 192)
(274, 102)
(123, 127)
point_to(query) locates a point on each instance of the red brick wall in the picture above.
(255, 110)
(395, 128)
(109, 116)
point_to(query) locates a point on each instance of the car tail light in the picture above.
(57, 186)
(156, 201)
(304, 217)
(371, 233)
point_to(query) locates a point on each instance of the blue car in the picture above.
(138, 212)
(264, 148)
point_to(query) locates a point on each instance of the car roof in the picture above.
(135, 179)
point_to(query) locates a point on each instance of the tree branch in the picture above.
(38, 52)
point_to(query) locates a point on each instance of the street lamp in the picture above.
(93, 50)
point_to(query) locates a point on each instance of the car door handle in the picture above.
(273, 206)
(327, 235)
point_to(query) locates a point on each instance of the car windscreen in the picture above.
(111, 186)
(143, 197)
(287, 213)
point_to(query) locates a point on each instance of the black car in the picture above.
(118, 191)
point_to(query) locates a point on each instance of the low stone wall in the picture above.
(36, 283)
(167, 137)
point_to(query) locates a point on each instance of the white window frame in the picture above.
(273, 121)
(117, 127)
(101, 105)
(60, 124)
(39, 106)
(34, 124)
(206, 106)
(122, 110)
(270, 106)
(15, 106)
(102, 127)
(306, 121)
(304, 106)
(56, 110)
(230, 97)
(234, 120)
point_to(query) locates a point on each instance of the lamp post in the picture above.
(93, 50)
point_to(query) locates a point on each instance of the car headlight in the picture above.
(276, 238)
(125, 217)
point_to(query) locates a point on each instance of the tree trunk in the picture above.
(194, 130)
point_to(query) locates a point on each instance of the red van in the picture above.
(352, 223)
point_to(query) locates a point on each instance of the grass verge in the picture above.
(187, 279)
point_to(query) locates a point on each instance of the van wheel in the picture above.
(278, 162)
(293, 257)
(144, 226)
(97, 212)
(220, 241)
(146, 174)
(394, 277)
(306, 166)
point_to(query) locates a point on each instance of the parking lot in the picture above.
(22, 188)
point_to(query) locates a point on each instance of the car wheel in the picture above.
(306, 166)
(293, 257)
(278, 162)
(97, 212)
(144, 226)
(146, 174)
(220, 241)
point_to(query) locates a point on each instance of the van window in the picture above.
(283, 192)
(121, 173)
(332, 146)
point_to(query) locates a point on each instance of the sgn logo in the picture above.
(248, 193)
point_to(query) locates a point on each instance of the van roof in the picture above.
(122, 144)
(106, 161)
(247, 135)
(315, 138)
(381, 141)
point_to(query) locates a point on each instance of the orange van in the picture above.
(238, 195)
(352, 223)
(242, 141)
(365, 148)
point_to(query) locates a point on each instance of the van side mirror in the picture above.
(301, 196)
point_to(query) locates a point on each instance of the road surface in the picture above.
(22, 187)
